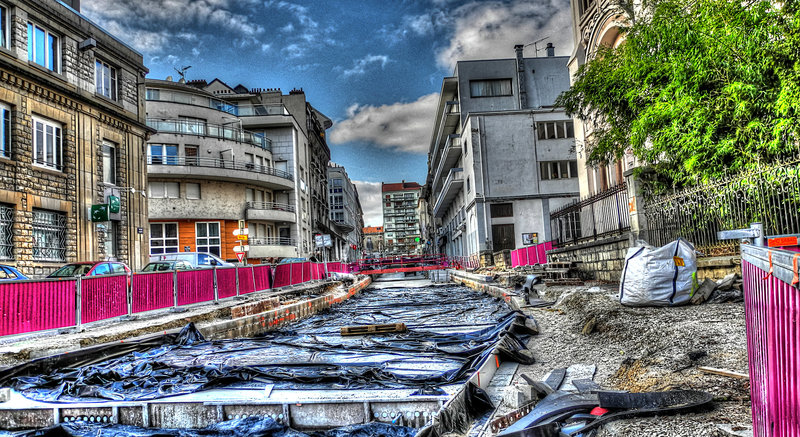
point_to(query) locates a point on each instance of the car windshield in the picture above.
(157, 267)
(71, 270)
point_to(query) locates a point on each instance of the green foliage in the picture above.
(698, 90)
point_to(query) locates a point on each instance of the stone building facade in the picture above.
(73, 133)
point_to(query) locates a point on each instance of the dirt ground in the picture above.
(647, 349)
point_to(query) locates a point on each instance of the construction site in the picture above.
(432, 352)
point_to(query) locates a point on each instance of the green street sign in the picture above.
(99, 212)
(113, 204)
(416, 239)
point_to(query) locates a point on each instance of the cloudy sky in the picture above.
(374, 67)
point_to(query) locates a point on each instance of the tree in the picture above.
(698, 89)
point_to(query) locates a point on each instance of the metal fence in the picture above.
(770, 195)
(592, 217)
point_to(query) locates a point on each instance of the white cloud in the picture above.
(306, 34)
(151, 25)
(360, 66)
(490, 29)
(369, 194)
(406, 127)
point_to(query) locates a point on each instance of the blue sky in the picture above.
(374, 67)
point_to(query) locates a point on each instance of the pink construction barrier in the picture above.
(195, 286)
(282, 276)
(226, 282)
(246, 280)
(151, 291)
(296, 272)
(528, 256)
(306, 272)
(773, 347)
(262, 274)
(103, 297)
(28, 306)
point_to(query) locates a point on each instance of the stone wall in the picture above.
(602, 260)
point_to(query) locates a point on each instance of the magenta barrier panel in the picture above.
(282, 276)
(28, 306)
(306, 272)
(195, 286)
(246, 280)
(226, 282)
(296, 272)
(515, 258)
(262, 274)
(532, 255)
(103, 297)
(151, 291)
(314, 272)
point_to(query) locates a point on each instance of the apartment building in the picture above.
(296, 131)
(401, 218)
(346, 215)
(501, 155)
(207, 173)
(72, 134)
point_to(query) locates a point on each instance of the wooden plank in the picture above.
(723, 372)
(372, 329)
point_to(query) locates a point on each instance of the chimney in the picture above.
(551, 50)
(523, 95)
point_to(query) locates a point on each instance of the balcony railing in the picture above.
(249, 110)
(272, 241)
(202, 129)
(270, 206)
(453, 142)
(217, 163)
(162, 95)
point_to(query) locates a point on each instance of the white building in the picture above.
(501, 155)
(346, 214)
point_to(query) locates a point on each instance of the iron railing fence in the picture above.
(270, 206)
(192, 161)
(592, 217)
(770, 195)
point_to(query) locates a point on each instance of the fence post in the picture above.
(129, 288)
(175, 289)
(78, 315)
(253, 274)
(216, 286)
(236, 271)
(291, 281)
(636, 207)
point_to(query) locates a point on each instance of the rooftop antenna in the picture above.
(535, 48)
(182, 72)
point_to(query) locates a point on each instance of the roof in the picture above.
(400, 186)
(373, 229)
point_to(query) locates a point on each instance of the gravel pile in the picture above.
(647, 349)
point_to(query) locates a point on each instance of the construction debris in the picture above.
(372, 329)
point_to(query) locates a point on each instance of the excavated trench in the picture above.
(303, 377)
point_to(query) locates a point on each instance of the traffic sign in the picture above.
(240, 255)
(243, 231)
(241, 237)
(244, 248)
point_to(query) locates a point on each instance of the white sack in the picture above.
(655, 276)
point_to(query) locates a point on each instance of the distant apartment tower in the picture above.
(401, 217)
(72, 133)
(501, 155)
(373, 240)
(296, 131)
(206, 174)
(346, 214)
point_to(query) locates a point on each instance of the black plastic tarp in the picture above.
(451, 330)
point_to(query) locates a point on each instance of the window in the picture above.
(152, 94)
(164, 190)
(5, 130)
(191, 154)
(46, 143)
(4, 25)
(490, 87)
(207, 237)
(558, 169)
(163, 238)
(552, 130)
(111, 240)
(502, 210)
(49, 235)
(105, 79)
(192, 125)
(467, 184)
(43, 48)
(109, 163)
(165, 154)
(192, 191)
(6, 231)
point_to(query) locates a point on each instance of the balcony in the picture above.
(181, 167)
(184, 98)
(449, 121)
(452, 185)
(449, 158)
(272, 247)
(270, 211)
(202, 129)
(253, 110)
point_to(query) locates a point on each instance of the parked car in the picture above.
(163, 266)
(90, 268)
(8, 273)
(195, 259)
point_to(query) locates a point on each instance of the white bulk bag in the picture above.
(663, 276)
